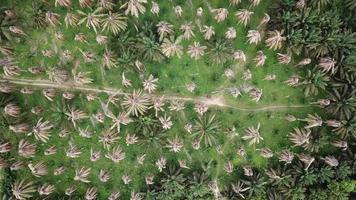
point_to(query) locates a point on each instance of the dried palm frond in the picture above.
(327, 65)
(230, 33)
(69, 191)
(234, 2)
(256, 94)
(190, 87)
(39, 169)
(101, 39)
(22, 189)
(63, 3)
(175, 144)
(270, 77)
(82, 174)
(300, 136)
(91, 193)
(19, 128)
(201, 108)
(106, 4)
(94, 155)
(166, 122)
(248, 170)
(176, 105)
(293, 81)
(284, 58)
(208, 32)
(26, 149)
(6, 88)
(183, 164)
(164, 29)
(46, 189)
(82, 78)
(41, 130)
(149, 179)
(116, 155)
(307, 160)
(140, 159)
(85, 3)
(178, 11)
(286, 156)
(52, 18)
(49, 93)
(340, 144)
(73, 151)
(239, 188)
(196, 144)
(255, 2)
(264, 20)
(228, 167)
(92, 20)
(17, 165)
(58, 171)
(266, 153)
(75, 115)
(304, 62)
(5, 147)
(109, 59)
(131, 139)
(331, 161)
(11, 70)
(155, 8)
(239, 55)
(16, 30)
(158, 104)
(126, 179)
(313, 121)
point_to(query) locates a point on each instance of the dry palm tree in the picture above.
(82, 78)
(201, 108)
(126, 179)
(104, 176)
(164, 29)
(58, 75)
(327, 65)
(50, 151)
(253, 134)
(260, 58)
(70, 190)
(12, 110)
(16, 30)
(49, 93)
(254, 37)
(248, 171)
(158, 104)
(108, 138)
(239, 55)
(220, 14)
(5, 147)
(136, 196)
(340, 144)
(84, 132)
(80, 37)
(195, 51)
(26, 149)
(175, 144)
(183, 164)
(266, 153)
(149, 179)
(39, 169)
(234, 2)
(307, 160)
(256, 94)
(255, 2)
(82, 174)
(17, 165)
(228, 167)
(176, 105)
(161, 163)
(199, 12)
(92, 20)
(106, 4)
(304, 62)
(300, 4)
(22, 189)
(300, 137)
(155, 8)
(178, 11)
(41, 130)
(91, 193)
(101, 39)
(208, 32)
(71, 19)
(68, 95)
(264, 20)
(63, 3)
(121, 119)
(150, 84)
(243, 16)
(73, 151)
(284, 58)
(136, 103)
(293, 81)
(114, 196)
(270, 77)
(52, 18)
(331, 161)
(75, 115)
(286, 156)
(230, 33)
(6, 50)
(19, 128)
(114, 23)
(135, 7)
(140, 159)
(85, 3)
(125, 82)
(11, 70)
(46, 189)
(94, 155)
(131, 139)
(187, 29)
(313, 121)
(275, 39)
(116, 155)
(239, 188)
(109, 60)
(196, 144)
(190, 87)
(171, 47)
(58, 171)
(6, 88)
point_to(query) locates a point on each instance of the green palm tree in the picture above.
(149, 47)
(313, 82)
(220, 51)
(206, 128)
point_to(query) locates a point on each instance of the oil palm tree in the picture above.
(108, 138)
(286, 156)
(230, 33)
(205, 128)
(260, 58)
(22, 189)
(327, 65)
(136, 103)
(109, 59)
(63, 3)
(313, 121)
(12, 110)
(71, 19)
(234, 2)
(275, 39)
(114, 23)
(91, 193)
(239, 188)
(85, 3)
(166, 122)
(253, 135)
(171, 47)
(39, 169)
(283, 58)
(134, 7)
(155, 8)
(195, 51)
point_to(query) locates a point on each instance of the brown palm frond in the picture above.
(331, 161)
(284, 58)
(307, 160)
(101, 39)
(327, 65)
(266, 153)
(52, 18)
(17, 165)
(155, 8)
(171, 47)
(49, 93)
(131, 139)
(201, 108)
(85, 3)
(178, 11)
(75, 115)
(166, 122)
(82, 78)
(58, 171)
(313, 121)
(94, 155)
(106, 4)
(230, 33)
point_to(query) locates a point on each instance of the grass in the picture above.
(173, 74)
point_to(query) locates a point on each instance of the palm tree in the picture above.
(331, 161)
(135, 7)
(286, 156)
(82, 174)
(82, 78)
(22, 189)
(313, 121)
(307, 160)
(205, 128)
(220, 51)
(255, 2)
(208, 32)
(108, 138)
(275, 39)
(239, 55)
(239, 188)
(39, 169)
(106, 4)
(171, 47)
(70, 190)
(52, 18)
(264, 20)
(63, 3)
(116, 155)
(164, 29)
(234, 2)
(196, 50)
(92, 20)
(253, 134)
(166, 122)
(243, 16)
(175, 144)
(254, 36)
(104, 176)
(284, 58)
(109, 60)
(155, 8)
(19, 128)
(150, 84)
(220, 14)
(75, 115)
(300, 136)
(26, 149)
(49, 93)
(230, 33)
(71, 19)
(178, 11)
(114, 23)
(11, 70)
(5, 147)
(150, 48)
(340, 144)
(58, 171)
(73, 151)
(94, 155)
(327, 65)
(46, 189)
(161, 163)
(260, 58)
(12, 110)
(187, 29)
(293, 81)
(158, 104)
(256, 94)
(136, 103)
(114, 196)
(85, 3)
(41, 130)
(6, 88)
(91, 193)
(228, 167)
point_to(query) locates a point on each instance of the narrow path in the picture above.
(213, 101)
